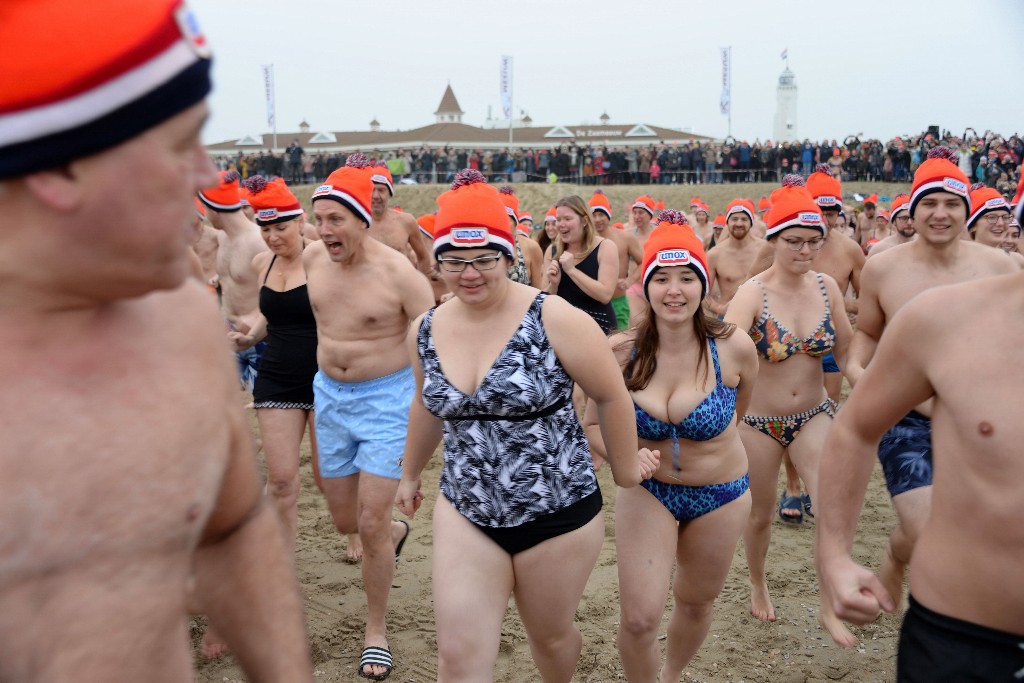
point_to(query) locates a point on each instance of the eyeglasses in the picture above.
(902, 218)
(993, 218)
(796, 245)
(480, 263)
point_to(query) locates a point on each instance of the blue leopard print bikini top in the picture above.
(711, 417)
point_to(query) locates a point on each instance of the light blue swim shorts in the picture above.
(361, 426)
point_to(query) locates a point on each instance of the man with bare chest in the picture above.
(939, 206)
(396, 229)
(238, 242)
(364, 296)
(901, 221)
(729, 264)
(629, 249)
(128, 483)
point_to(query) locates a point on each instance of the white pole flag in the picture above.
(506, 86)
(268, 91)
(726, 79)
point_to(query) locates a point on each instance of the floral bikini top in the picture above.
(775, 343)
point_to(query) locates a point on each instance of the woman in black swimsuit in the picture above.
(283, 393)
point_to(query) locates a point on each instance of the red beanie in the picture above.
(900, 202)
(381, 174)
(351, 187)
(792, 207)
(224, 196)
(599, 202)
(272, 201)
(472, 216)
(825, 190)
(511, 202)
(644, 202)
(673, 243)
(939, 174)
(740, 206)
(985, 200)
(82, 77)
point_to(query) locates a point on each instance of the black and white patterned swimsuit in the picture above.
(513, 449)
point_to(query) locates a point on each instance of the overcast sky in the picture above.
(878, 67)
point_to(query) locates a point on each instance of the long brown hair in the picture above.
(580, 208)
(642, 363)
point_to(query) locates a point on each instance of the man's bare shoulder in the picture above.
(406, 220)
(994, 261)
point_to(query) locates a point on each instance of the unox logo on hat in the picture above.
(323, 189)
(267, 214)
(826, 200)
(191, 32)
(995, 202)
(810, 218)
(673, 257)
(470, 237)
(955, 186)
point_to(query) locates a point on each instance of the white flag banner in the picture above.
(726, 79)
(506, 86)
(268, 91)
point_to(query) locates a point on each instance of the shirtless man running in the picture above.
(939, 206)
(364, 295)
(129, 481)
(903, 223)
(629, 249)
(396, 229)
(641, 211)
(730, 262)
(966, 615)
(238, 242)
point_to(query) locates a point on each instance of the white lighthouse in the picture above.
(785, 108)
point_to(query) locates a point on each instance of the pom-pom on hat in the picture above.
(673, 243)
(825, 190)
(511, 202)
(740, 206)
(381, 175)
(272, 201)
(472, 216)
(939, 173)
(225, 195)
(82, 77)
(644, 202)
(985, 200)
(351, 187)
(599, 202)
(900, 203)
(793, 207)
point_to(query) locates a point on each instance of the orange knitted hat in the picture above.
(673, 243)
(939, 173)
(740, 206)
(472, 216)
(792, 207)
(900, 202)
(351, 187)
(272, 201)
(599, 202)
(719, 221)
(985, 200)
(644, 202)
(225, 195)
(82, 77)
(511, 202)
(550, 215)
(825, 190)
(883, 214)
(763, 204)
(426, 223)
(381, 174)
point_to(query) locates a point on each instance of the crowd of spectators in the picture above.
(990, 159)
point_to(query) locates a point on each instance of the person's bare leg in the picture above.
(912, 508)
(549, 582)
(792, 486)
(764, 455)
(704, 554)
(645, 550)
(379, 534)
(282, 438)
(472, 581)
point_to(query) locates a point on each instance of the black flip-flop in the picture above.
(376, 656)
(401, 542)
(791, 503)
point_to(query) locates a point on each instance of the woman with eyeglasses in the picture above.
(794, 316)
(520, 509)
(991, 222)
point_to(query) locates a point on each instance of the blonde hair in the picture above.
(580, 208)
